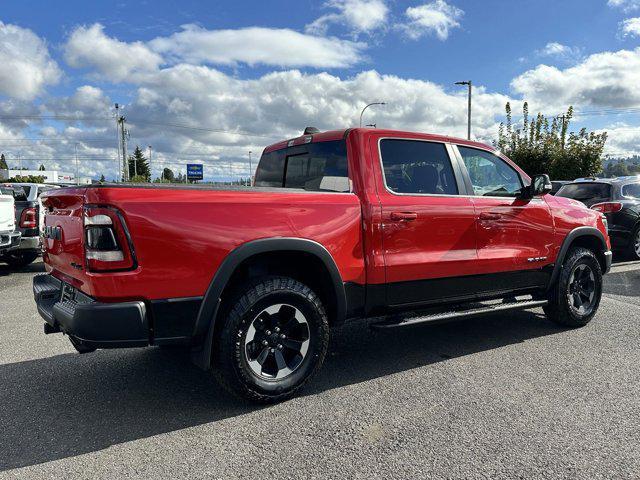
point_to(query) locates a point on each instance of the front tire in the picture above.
(274, 339)
(575, 298)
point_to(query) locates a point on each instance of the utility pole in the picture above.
(120, 175)
(468, 84)
(123, 144)
(75, 148)
(150, 171)
(250, 170)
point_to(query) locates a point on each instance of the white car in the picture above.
(9, 238)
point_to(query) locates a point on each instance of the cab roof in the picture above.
(331, 135)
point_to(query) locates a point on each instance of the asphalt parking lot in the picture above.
(503, 396)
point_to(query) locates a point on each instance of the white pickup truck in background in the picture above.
(9, 238)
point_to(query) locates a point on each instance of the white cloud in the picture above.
(361, 16)
(25, 64)
(607, 79)
(90, 47)
(437, 18)
(558, 50)
(630, 27)
(625, 5)
(256, 45)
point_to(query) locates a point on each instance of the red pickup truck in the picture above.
(402, 227)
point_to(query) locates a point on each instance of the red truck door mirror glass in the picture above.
(107, 242)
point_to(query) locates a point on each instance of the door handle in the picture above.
(404, 216)
(490, 216)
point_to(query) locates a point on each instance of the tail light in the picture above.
(607, 207)
(28, 218)
(108, 245)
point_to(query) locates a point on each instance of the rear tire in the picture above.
(575, 298)
(633, 250)
(18, 259)
(273, 340)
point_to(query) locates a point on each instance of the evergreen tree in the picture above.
(139, 166)
(41, 168)
(3, 162)
(102, 179)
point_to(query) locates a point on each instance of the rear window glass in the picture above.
(631, 190)
(586, 192)
(417, 167)
(315, 167)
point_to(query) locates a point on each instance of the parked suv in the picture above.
(403, 227)
(9, 238)
(619, 199)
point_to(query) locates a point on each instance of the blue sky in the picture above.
(270, 68)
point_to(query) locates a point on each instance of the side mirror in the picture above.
(540, 185)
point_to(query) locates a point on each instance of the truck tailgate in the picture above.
(64, 234)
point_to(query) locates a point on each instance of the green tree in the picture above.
(168, 174)
(541, 145)
(26, 179)
(102, 179)
(41, 168)
(3, 162)
(139, 166)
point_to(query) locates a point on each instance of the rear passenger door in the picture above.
(514, 235)
(428, 228)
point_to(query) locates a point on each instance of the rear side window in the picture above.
(490, 175)
(417, 167)
(632, 190)
(313, 167)
(586, 192)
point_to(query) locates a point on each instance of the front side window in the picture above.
(314, 167)
(417, 167)
(631, 190)
(490, 175)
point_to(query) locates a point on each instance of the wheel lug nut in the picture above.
(283, 336)
(277, 329)
(265, 343)
(279, 347)
(267, 332)
(272, 350)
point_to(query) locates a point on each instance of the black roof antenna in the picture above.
(310, 131)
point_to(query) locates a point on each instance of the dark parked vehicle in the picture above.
(557, 185)
(619, 199)
(28, 220)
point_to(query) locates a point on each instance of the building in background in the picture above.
(50, 176)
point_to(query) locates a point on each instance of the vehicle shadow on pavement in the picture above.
(624, 283)
(5, 269)
(68, 405)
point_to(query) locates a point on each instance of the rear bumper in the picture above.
(9, 240)
(29, 243)
(95, 324)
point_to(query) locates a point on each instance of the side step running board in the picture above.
(442, 316)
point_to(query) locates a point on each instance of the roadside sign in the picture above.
(194, 171)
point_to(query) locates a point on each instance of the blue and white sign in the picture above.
(194, 171)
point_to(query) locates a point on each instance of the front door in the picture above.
(514, 235)
(429, 231)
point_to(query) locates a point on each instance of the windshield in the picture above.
(588, 193)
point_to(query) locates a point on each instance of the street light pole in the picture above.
(150, 170)
(250, 170)
(468, 84)
(367, 106)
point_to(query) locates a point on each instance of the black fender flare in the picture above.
(566, 244)
(207, 315)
